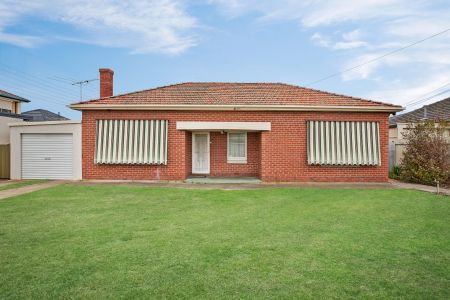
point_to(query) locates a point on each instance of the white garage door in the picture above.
(47, 156)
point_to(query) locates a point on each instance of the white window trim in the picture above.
(236, 160)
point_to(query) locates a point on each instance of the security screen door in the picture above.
(200, 153)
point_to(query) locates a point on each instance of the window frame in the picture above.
(343, 143)
(237, 160)
(131, 142)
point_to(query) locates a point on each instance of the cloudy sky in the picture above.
(47, 45)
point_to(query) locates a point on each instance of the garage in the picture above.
(46, 150)
(48, 156)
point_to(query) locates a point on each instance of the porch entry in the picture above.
(200, 153)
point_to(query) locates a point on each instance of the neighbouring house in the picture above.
(438, 111)
(10, 108)
(10, 103)
(41, 115)
(273, 131)
(43, 145)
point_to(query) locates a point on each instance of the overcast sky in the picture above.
(45, 46)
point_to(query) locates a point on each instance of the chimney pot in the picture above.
(106, 82)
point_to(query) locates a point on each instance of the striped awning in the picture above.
(343, 143)
(131, 142)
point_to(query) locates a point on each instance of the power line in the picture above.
(35, 90)
(378, 58)
(427, 93)
(30, 90)
(70, 80)
(30, 85)
(86, 85)
(428, 98)
(32, 94)
(27, 83)
(41, 83)
(63, 91)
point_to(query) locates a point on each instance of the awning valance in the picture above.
(223, 126)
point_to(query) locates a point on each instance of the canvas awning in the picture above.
(223, 126)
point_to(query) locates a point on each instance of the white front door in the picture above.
(200, 153)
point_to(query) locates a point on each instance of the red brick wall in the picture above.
(218, 152)
(282, 152)
(188, 154)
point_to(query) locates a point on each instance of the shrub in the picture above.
(394, 173)
(427, 156)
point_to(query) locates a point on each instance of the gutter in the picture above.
(15, 99)
(327, 108)
(40, 123)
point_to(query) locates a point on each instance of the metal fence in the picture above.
(4, 161)
(395, 154)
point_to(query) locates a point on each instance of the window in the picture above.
(343, 143)
(5, 110)
(131, 142)
(237, 147)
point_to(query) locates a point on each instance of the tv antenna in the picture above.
(81, 83)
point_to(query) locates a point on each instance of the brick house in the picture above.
(273, 131)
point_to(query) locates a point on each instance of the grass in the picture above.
(96, 242)
(21, 183)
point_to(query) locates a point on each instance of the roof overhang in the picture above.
(373, 108)
(14, 99)
(64, 122)
(223, 126)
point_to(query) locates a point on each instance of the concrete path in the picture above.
(420, 187)
(29, 188)
(4, 182)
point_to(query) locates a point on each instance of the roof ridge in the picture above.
(418, 112)
(243, 83)
(423, 106)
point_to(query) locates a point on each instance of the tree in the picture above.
(426, 158)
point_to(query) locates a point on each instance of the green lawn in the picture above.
(96, 242)
(18, 184)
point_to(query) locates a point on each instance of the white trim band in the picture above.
(40, 123)
(217, 126)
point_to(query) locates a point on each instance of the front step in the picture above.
(223, 180)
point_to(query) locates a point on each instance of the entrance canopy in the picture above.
(224, 126)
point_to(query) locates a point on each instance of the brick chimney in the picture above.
(106, 82)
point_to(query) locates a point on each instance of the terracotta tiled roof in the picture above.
(213, 93)
(436, 111)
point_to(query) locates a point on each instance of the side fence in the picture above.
(4, 161)
(396, 154)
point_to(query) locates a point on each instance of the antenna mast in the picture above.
(81, 83)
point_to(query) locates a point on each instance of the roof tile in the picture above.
(215, 93)
(439, 110)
